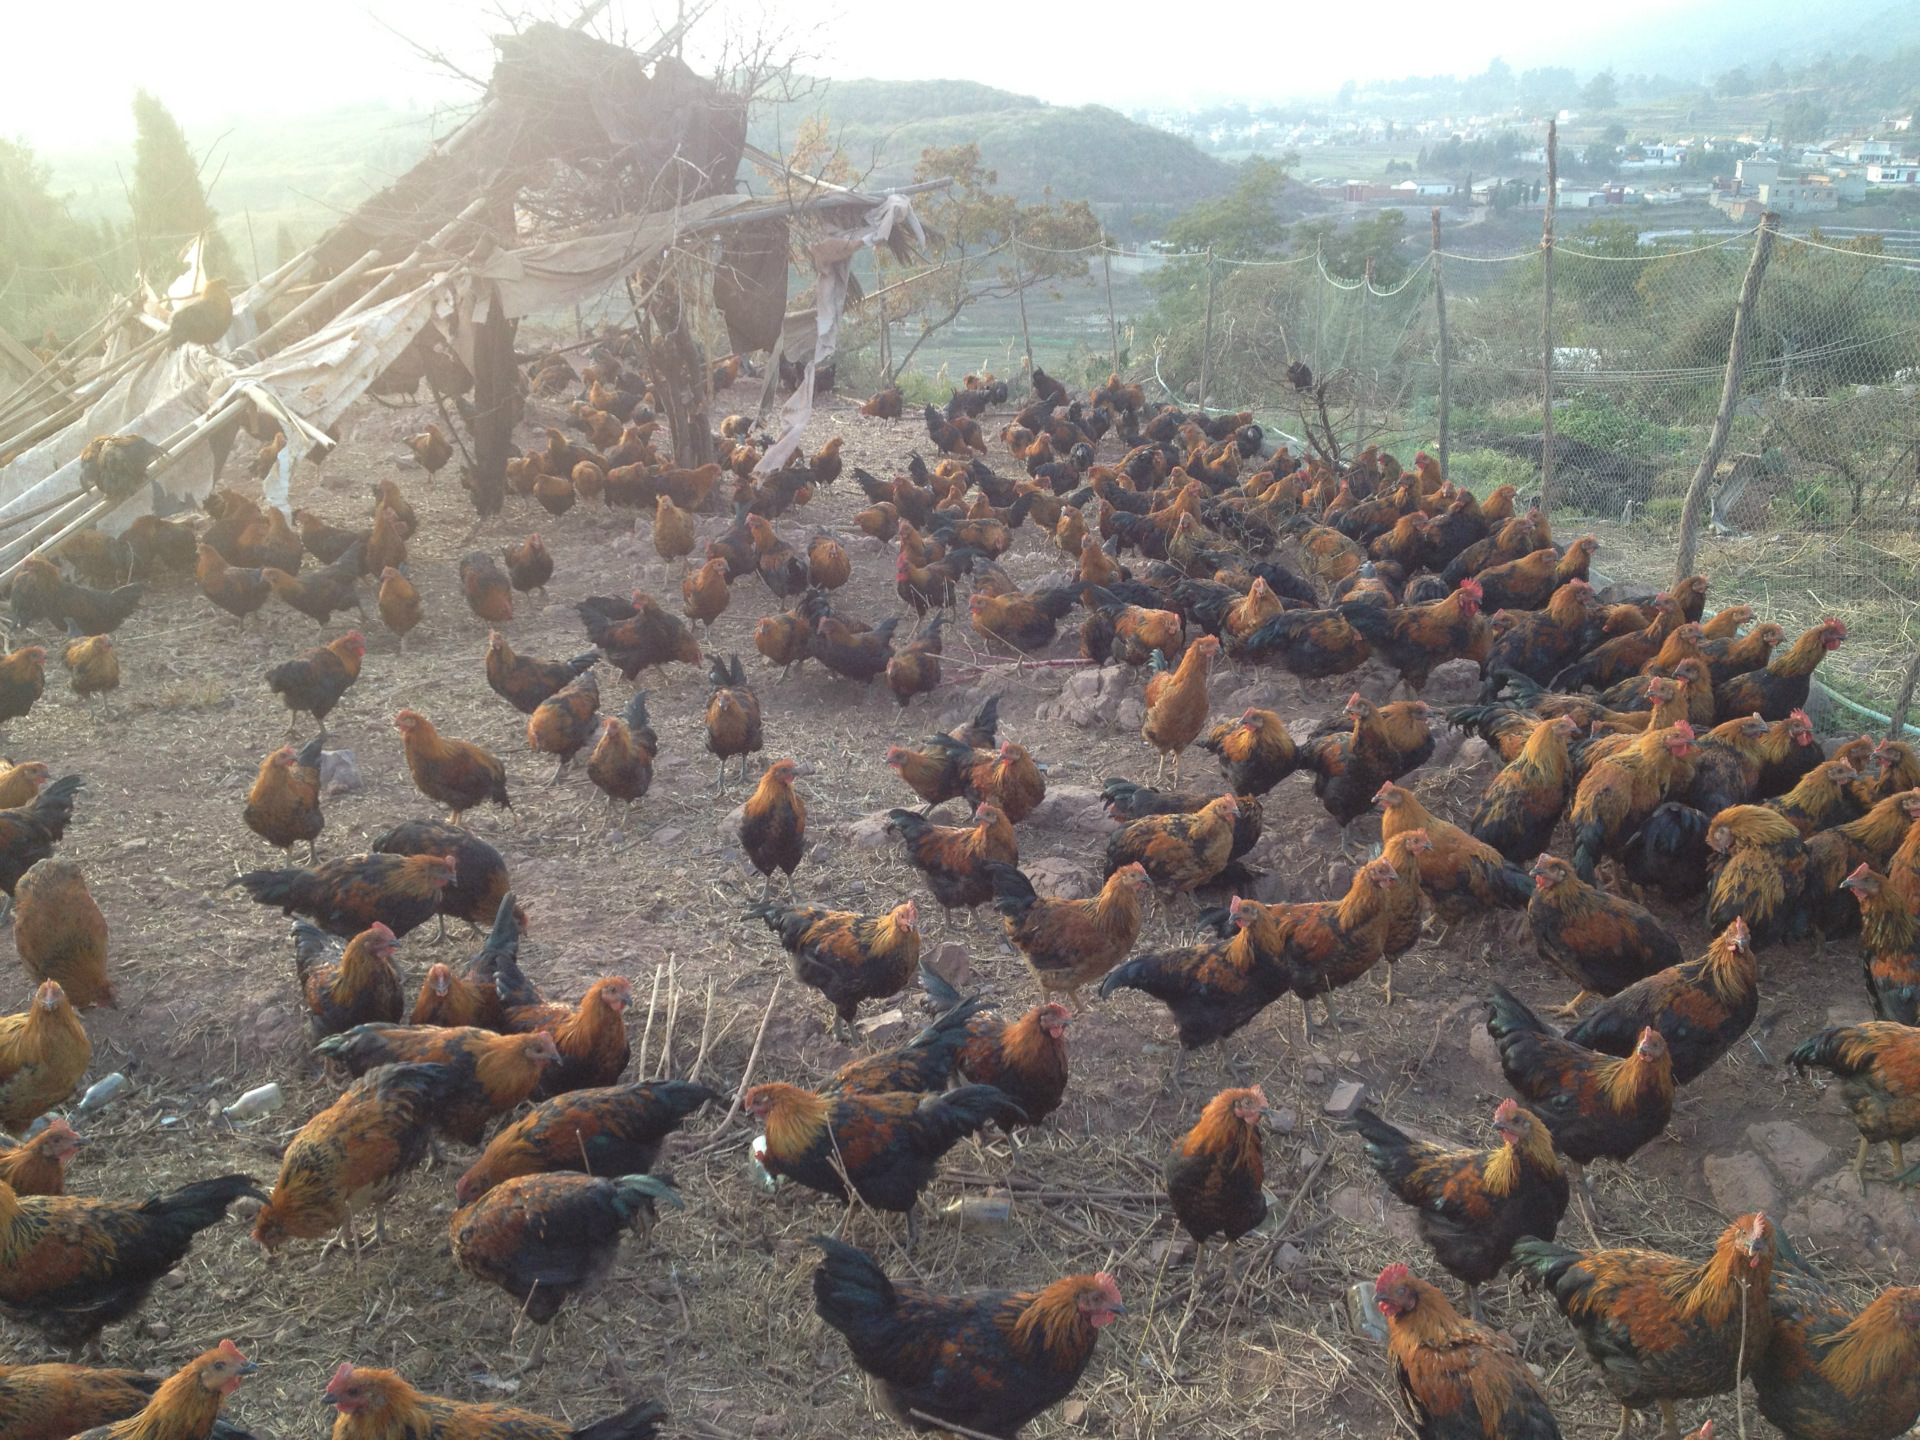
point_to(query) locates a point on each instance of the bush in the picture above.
(1484, 471)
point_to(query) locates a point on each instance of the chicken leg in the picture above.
(1571, 1010)
(1860, 1164)
(1669, 1426)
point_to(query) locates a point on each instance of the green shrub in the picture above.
(1484, 471)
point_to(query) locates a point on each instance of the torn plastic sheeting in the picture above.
(832, 272)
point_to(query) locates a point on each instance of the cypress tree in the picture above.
(169, 204)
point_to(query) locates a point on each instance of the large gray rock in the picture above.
(1061, 879)
(1455, 683)
(869, 832)
(1475, 753)
(1073, 807)
(1260, 696)
(1626, 592)
(1740, 1184)
(1800, 1156)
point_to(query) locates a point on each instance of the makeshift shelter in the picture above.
(586, 164)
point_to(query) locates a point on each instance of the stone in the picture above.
(952, 963)
(1740, 1183)
(1625, 592)
(1250, 697)
(1474, 752)
(1061, 879)
(1283, 1121)
(667, 835)
(1481, 1046)
(1130, 714)
(159, 1330)
(1446, 744)
(1352, 1203)
(1457, 682)
(884, 1024)
(1401, 1224)
(869, 832)
(339, 773)
(1073, 807)
(1300, 727)
(1290, 1259)
(1074, 1412)
(1347, 1097)
(1800, 1156)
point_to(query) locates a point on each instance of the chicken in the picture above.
(1464, 878)
(1216, 1171)
(1619, 792)
(529, 565)
(454, 773)
(591, 1036)
(704, 593)
(357, 987)
(1177, 704)
(611, 1130)
(1070, 943)
(431, 449)
(1255, 752)
(54, 1402)
(773, 824)
(492, 1073)
(19, 783)
(1829, 1374)
(988, 1361)
(315, 682)
(1604, 944)
(1759, 870)
(916, 670)
(1181, 852)
(1026, 622)
(61, 934)
(43, 1054)
(453, 1001)
(885, 404)
(1007, 779)
(236, 591)
(1518, 811)
(956, 860)
(854, 655)
(1414, 639)
(1116, 630)
(1471, 1205)
(1878, 1063)
(75, 1266)
(187, 1404)
(828, 567)
(1323, 945)
(886, 1146)
(1890, 940)
(38, 1166)
(379, 1405)
(673, 534)
(23, 679)
(399, 605)
(621, 765)
(29, 832)
(162, 544)
(347, 895)
(1212, 989)
(1457, 1380)
(1658, 1328)
(846, 956)
(545, 1239)
(387, 545)
(480, 872)
(733, 716)
(93, 668)
(489, 595)
(563, 723)
(1596, 1105)
(637, 636)
(317, 595)
(353, 1155)
(1783, 686)
(524, 682)
(1026, 1059)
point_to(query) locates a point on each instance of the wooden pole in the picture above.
(253, 248)
(1440, 318)
(1020, 290)
(1206, 338)
(1901, 707)
(1113, 330)
(1360, 370)
(886, 335)
(1729, 396)
(1546, 323)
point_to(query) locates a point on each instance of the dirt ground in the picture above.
(716, 1318)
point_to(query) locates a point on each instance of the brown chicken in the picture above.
(610, 1130)
(492, 1073)
(347, 895)
(733, 717)
(983, 1363)
(454, 1001)
(1007, 779)
(38, 1167)
(43, 1054)
(1026, 622)
(318, 594)
(1255, 752)
(529, 565)
(1471, 1205)
(353, 1156)
(1457, 1380)
(387, 493)
(1597, 1106)
(1181, 852)
(957, 860)
(704, 593)
(314, 683)
(846, 956)
(379, 1405)
(1026, 1059)
(1602, 943)
(387, 546)
(1414, 639)
(1619, 792)
(524, 682)
(563, 723)
(1070, 943)
(399, 604)
(1658, 1328)
(1783, 686)
(621, 765)
(1177, 704)
(634, 637)
(356, 987)
(1463, 877)
(454, 773)
(591, 1036)
(1829, 1374)
(489, 594)
(61, 934)
(1878, 1063)
(1216, 1172)
(1759, 869)
(20, 784)
(916, 669)
(187, 1405)
(1518, 811)
(773, 824)
(238, 592)
(1212, 989)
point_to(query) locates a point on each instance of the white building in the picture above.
(1896, 172)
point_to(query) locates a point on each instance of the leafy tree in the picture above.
(1802, 119)
(1345, 253)
(169, 204)
(1735, 82)
(1614, 134)
(1599, 93)
(53, 263)
(1242, 224)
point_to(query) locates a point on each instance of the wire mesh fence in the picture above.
(1812, 510)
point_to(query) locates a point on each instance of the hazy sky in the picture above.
(74, 64)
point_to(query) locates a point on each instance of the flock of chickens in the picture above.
(1673, 745)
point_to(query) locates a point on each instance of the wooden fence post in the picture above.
(1206, 338)
(1360, 370)
(1729, 396)
(1440, 318)
(1546, 322)
(1020, 291)
(1113, 330)
(1901, 708)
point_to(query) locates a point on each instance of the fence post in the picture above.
(886, 335)
(1729, 396)
(1905, 703)
(1360, 371)
(1113, 331)
(1546, 322)
(1020, 290)
(1440, 318)
(1206, 339)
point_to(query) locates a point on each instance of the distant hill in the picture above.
(1086, 152)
